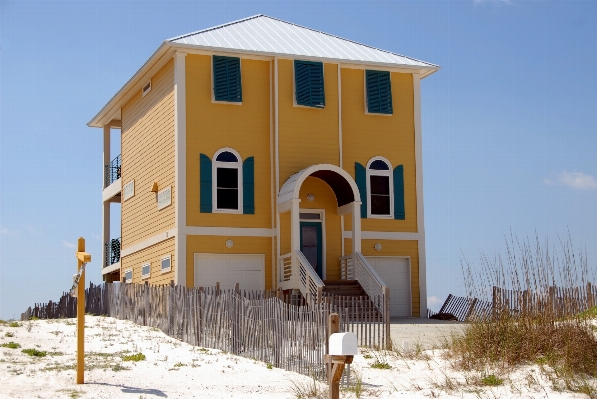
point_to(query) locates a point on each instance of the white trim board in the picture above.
(112, 268)
(148, 242)
(180, 171)
(112, 190)
(385, 235)
(230, 231)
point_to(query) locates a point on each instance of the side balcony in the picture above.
(111, 256)
(112, 181)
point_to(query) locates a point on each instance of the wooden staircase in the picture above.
(349, 295)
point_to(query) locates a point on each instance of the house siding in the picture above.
(153, 254)
(392, 137)
(148, 157)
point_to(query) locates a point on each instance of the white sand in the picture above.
(173, 369)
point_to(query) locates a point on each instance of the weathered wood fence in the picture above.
(558, 301)
(258, 325)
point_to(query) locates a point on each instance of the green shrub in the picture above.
(380, 365)
(14, 324)
(133, 358)
(11, 345)
(492, 380)
(9, 334)
(34, 352)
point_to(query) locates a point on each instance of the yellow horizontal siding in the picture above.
(307, 136)
(148, 157)
(153, 254)
(245, 128)
(392, 137)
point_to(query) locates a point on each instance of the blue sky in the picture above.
(509, 122)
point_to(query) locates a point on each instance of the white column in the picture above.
(356, 227)
(419, 184)
(105, 205)
(180, 138)
(295, 226)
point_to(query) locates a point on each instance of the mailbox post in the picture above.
(79, 287)
(341, 350)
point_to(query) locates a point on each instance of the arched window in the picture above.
(227, 181)
(380, 188)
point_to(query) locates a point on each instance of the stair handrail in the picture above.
(346, 268)
(310, 284)
(373, 285)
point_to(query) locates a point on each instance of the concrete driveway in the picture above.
(428, 333)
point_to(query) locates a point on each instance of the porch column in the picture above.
(105, 205)
(295, 226)
(356, 227)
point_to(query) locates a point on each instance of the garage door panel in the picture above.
(395, 272)
(246, 270)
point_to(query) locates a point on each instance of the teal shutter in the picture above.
(205, 184)
(308, 78)
(399, 212)
(361, 180)
(249, 186)
(226, 79)
(379, 92)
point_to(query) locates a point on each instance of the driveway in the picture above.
(428, 333)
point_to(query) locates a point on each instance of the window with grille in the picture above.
(227, 79)
(308, 79)
(379, 92)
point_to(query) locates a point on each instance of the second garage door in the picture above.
(395, 272)
(247, 270)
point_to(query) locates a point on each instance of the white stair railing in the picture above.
(295, 271)
(356, 267)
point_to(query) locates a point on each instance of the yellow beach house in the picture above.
(271, 155)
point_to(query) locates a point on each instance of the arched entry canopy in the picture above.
(344, 187)
(338, 179)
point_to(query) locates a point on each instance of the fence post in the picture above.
(386, 311)
(590, 298)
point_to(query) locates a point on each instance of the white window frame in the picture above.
(389, 174)
(294, 103)
(214, 180)
(213, 88)
(366, 98)
(148, 275)
(143, 91)
(125, 273)
(166, 270)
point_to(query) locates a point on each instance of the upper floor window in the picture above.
(380, 188)
(227, 79)
(308, 83)
(379, 92)
(227, 180)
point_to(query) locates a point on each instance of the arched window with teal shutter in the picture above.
(205, 184)
(399, 209)
(249, 186)
(360, 176)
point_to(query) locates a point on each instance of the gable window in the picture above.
(166, 264)
(128, 276)
(227, 181)
(380, 188)
(226, 79)
(379, 92)
(146, 270)
(308, 87)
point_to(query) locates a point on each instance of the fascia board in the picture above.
(195, 48)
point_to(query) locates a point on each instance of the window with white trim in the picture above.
(166, 264)
(227, 181)
(128, 276)
(380, 188)
(146, 270)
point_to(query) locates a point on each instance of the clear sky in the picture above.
(509, 122)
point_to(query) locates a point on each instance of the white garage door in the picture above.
(247, 270)
(395, 272)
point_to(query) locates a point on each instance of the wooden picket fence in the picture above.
(259, 325)
(558, 301)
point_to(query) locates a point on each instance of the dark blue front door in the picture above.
(311, 245)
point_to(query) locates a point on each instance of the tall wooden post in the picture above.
(333, 327)
(81, 312)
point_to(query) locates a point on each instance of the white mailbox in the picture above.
(343, 344)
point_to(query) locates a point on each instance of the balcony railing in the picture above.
(112, 171)
(112, 251)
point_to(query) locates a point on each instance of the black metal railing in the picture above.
(112, 171)
(112, 251)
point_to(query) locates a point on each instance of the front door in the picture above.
(311, 245)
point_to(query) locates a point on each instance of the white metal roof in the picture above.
(263, 34)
